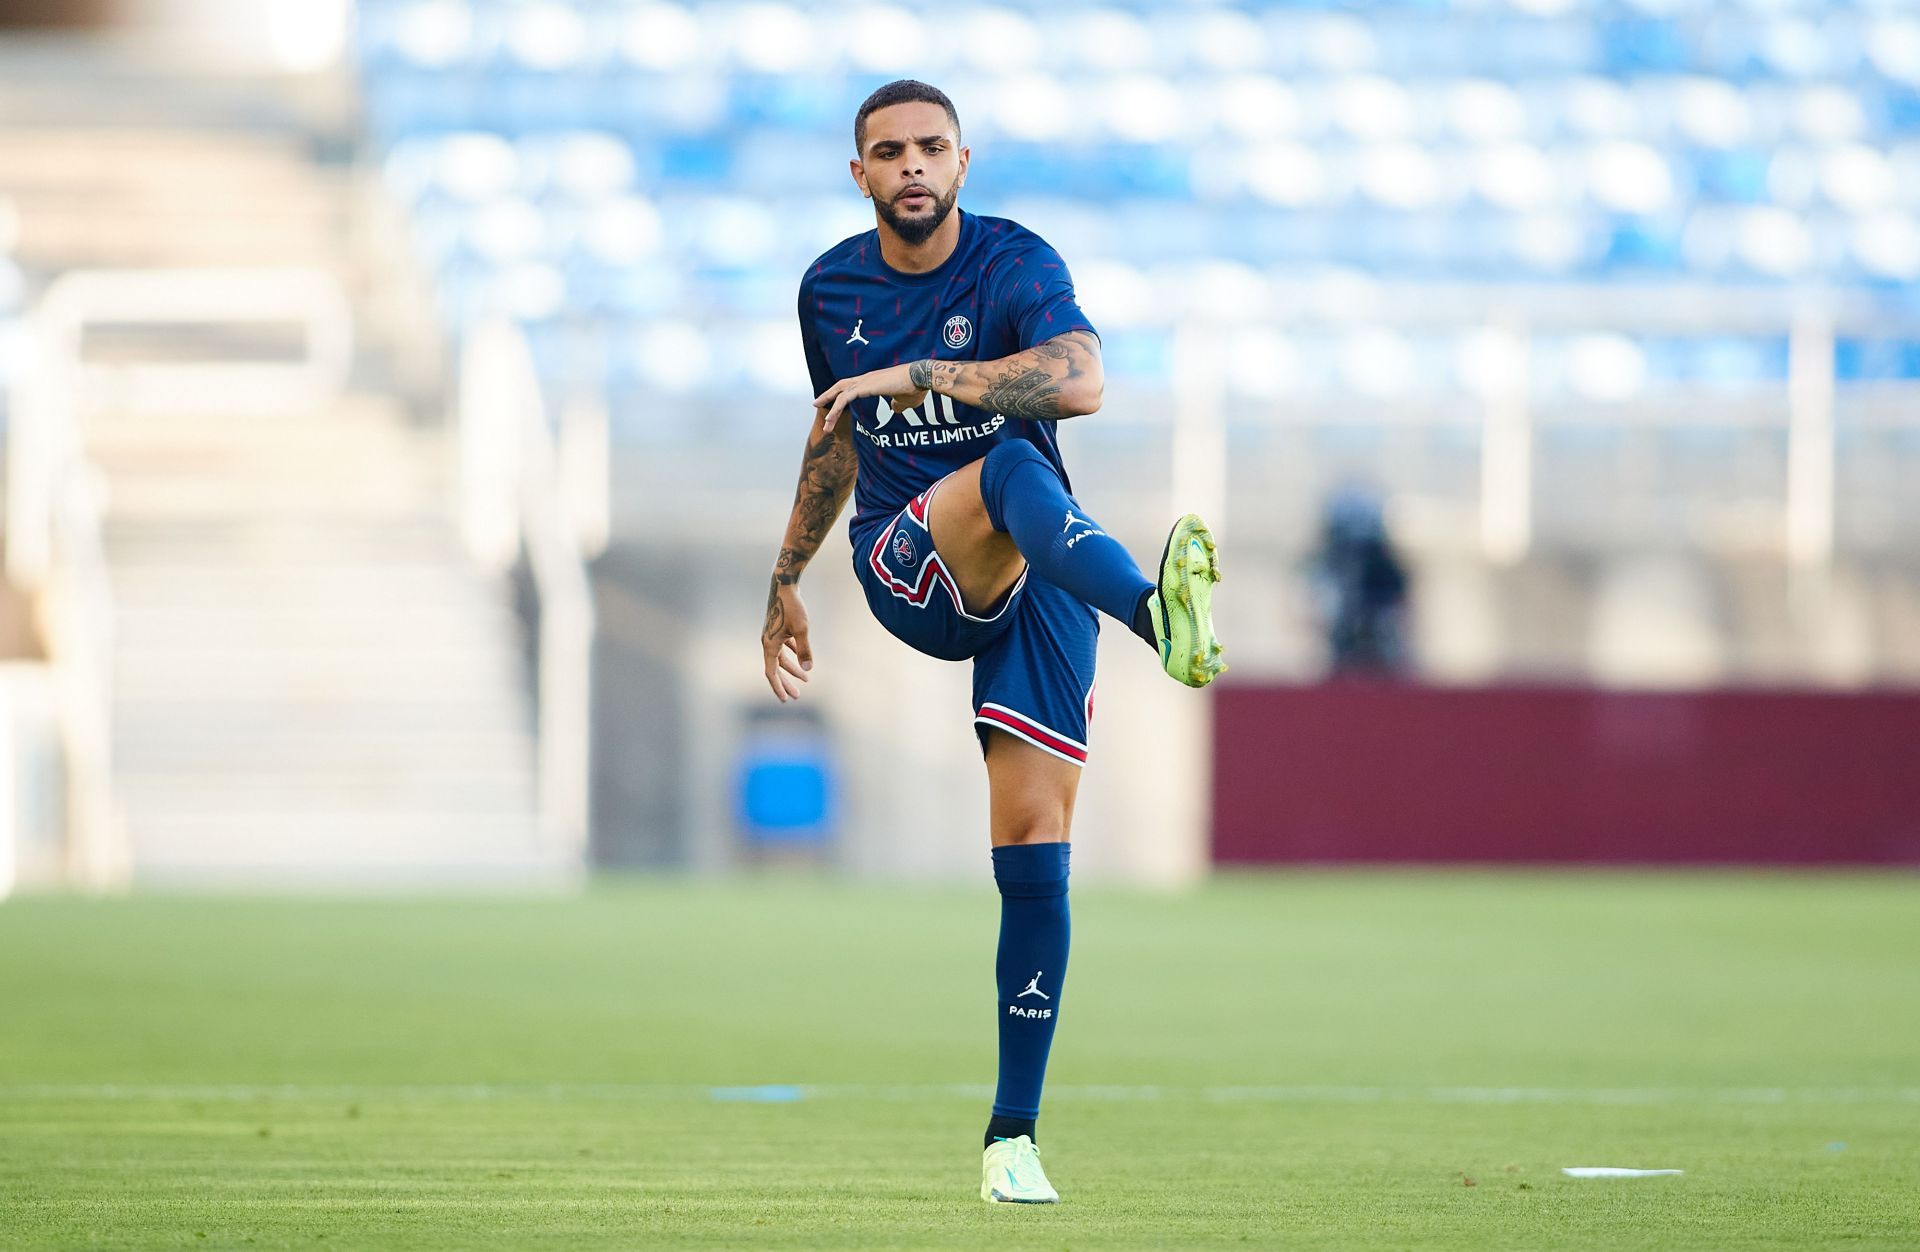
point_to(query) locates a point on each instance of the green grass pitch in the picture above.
(1313, 1060)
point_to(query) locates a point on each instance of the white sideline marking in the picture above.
(790, 1092)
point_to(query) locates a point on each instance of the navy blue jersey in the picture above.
(1002, 291)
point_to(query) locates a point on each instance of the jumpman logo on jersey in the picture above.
(856, 336)
(1033, 987)
(1071, 519)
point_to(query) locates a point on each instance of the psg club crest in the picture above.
(903, 549)
(958, 332)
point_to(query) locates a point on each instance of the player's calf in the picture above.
(1025, 497)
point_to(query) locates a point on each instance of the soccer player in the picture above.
(944, 347)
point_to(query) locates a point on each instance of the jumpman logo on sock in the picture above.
(1033, 987)
(1072, 521)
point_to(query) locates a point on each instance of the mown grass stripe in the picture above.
(781, 1093)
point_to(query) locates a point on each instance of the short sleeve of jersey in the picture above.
(1038, 292)
(817, 367)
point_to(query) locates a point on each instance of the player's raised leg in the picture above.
(1011, 508)
(1024, 498)
(1032, 797)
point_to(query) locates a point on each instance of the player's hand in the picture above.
(912, 400)
(783, 641)
(893, 382)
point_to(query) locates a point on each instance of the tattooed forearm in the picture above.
(826, 476)
(1059, 378)
(827, 472)
(1024, 393)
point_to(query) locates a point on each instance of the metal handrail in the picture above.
(1676, 309)
(1508, 420)
(55, 553)
(521, 486)
(56, 497)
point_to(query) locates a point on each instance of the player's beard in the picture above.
(917, 230)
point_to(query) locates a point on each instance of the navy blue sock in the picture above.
(1030, 969)
(1026, 499)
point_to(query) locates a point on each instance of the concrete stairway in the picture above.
(312, 686)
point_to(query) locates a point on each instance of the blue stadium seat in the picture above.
(1599, 143)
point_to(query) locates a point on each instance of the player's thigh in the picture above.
(983, 561)
(1031, 792)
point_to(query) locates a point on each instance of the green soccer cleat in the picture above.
(1010, 1173)
(1182, 606)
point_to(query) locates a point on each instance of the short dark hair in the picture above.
(900, 91)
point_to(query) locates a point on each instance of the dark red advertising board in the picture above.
(1384, 772)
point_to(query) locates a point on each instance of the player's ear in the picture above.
(859, 173)
(966, 155)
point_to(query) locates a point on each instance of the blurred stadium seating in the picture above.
(670, 170)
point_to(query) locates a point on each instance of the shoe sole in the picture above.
(995, 1197)
(1189, 567)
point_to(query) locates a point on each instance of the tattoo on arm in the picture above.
(1024, 393)
(827, 472)
(775, 627)
(1031, 384)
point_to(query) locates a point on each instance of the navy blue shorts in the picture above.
(1033, 653)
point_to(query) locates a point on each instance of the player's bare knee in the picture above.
(958, 517)
(1038, 820)
(960, 503)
